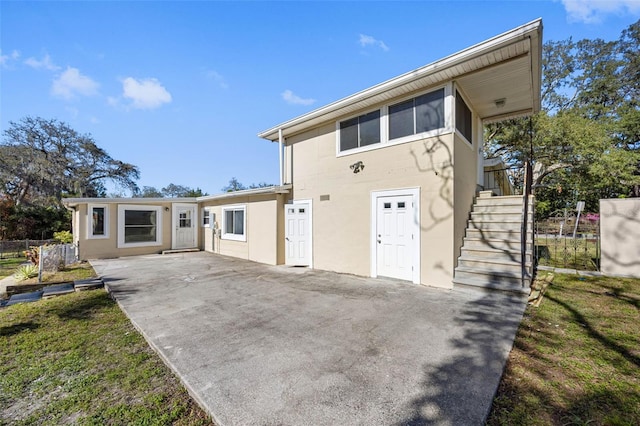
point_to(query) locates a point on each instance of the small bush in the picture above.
(25, 272)
(64, 237)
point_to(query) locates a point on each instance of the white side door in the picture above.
(297, 234)
(394, 236)
(185, 223)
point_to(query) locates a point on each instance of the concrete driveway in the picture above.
(265, 345)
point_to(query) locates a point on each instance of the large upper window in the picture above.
(98, 221)
(139, 226)
(360, 131)
(233, 223)
(463, 118)
(418, 115)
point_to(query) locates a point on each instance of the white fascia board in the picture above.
(284, 189)
(527, 30)
(76, 201)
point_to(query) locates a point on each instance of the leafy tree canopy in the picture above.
(170, 191)
(42, 161)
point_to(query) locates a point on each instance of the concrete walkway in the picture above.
(262, 345)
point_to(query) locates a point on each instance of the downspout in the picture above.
(281, 155)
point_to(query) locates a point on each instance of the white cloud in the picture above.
(44, 63)
(145, 93)
(594, 11)
(218, 78)
(5, 59)
(71, 83)
(366, 40)
(293, 99)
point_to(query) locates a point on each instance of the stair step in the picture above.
(503, 208)
(514, 286)
(496, 216)
(494, 243)
(497, 264)
(494, 274)
(490, 253)
(506, 234)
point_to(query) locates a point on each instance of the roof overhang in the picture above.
(501, 77)
(284, 189)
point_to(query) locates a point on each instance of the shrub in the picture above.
(25, 272)
(64, 237)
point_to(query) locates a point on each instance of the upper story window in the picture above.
(409, 120)
(98, 221)
(360, 131)
(418, 115)
(464, 123)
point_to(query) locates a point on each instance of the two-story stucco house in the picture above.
(380, 183)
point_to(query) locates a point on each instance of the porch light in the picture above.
(500, 102)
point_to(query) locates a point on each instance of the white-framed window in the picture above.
(234, 220)
(139, 225)
(422, 114)
(208, 217)
(464, 118)
(407, 120)
(360, 131)
(97, 221)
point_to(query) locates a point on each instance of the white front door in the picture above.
(394, 236)
(297, 234)
(184, 226)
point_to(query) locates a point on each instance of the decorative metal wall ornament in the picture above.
(357, 167)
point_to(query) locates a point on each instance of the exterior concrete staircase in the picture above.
(491, 255)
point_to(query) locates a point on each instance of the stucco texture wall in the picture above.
(620, 237)
(97, 248)
(342, 223)
(264, 222)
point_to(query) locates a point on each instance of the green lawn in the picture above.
(9, 265)
(576, 358)
(77, 359)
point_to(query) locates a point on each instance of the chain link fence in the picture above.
(18, 248)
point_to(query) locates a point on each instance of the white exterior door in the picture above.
(297, 234)
(394, 236)
(185, 223)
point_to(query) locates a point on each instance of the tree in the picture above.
(233, 185)
(171, 191)
(585, 143)
(43, 160)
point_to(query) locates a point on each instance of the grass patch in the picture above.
(576, 358)
(9, 265)
(77, 359)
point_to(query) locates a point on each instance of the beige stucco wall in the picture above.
(96, 248)
(342, 224)
(466, 167)
(620, 237)
(264, 224)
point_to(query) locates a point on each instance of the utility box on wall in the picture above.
(620, 237)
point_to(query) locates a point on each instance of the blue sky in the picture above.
(180, 89)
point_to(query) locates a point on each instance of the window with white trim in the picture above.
(208, 217)
(360, 131)
(139, 226)
(418, 115)
(97, 221)
(234, 223)
(464, 123)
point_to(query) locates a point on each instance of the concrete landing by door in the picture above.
(265, 345)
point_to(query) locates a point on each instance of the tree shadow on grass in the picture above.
(14, 329)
